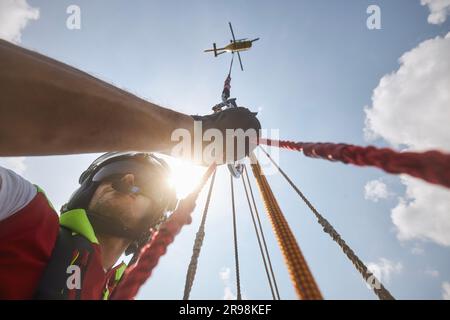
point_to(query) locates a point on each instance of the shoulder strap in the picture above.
(70, 249)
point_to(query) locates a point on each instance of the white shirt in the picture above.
(15, 192)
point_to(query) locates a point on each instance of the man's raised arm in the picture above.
(47, 107)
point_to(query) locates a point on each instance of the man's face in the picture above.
(134, 211)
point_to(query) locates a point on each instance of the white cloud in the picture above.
(225, 277)
(14, 17)
(446, 290)
(423, 213)
(439, 10)
(225, 274)
(375, 190)
(410, 108)
(417, 250)
(432, 273)
(228, 294)
(384, 269)
(16, 164)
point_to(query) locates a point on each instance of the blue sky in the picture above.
(310, 76)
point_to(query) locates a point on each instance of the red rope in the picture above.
(137, 274)
(431, 166)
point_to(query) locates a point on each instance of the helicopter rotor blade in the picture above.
(240, 61)
(232, 33)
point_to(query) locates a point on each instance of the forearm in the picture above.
(47, 107)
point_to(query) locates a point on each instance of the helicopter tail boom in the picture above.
(217, 51)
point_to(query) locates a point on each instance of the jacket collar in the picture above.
(77, 221)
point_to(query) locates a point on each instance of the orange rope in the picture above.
(302, 278)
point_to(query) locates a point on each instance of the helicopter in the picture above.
(234, 46)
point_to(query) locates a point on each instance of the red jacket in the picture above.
(27, 239)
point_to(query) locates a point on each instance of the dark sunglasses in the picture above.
(123, 187)
(149, 180)
(137, 188)
(153, 193)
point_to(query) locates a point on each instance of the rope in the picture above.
(259, 240)
(378, 288)
(136, 274)
(192, 269)
(262, 234)
(304, 283)
(236, 256)
(431, 166)
(231, 64)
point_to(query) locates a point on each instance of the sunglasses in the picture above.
(123, 187)
(137, 188)
(149, 180)
(149, 191)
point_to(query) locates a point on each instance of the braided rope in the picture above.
(301, 276)
(377, 286)
(192, 269)
(262, 233)
(269, 279)
(236, 255)
(431, 166)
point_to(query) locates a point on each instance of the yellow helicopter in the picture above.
(234, 46)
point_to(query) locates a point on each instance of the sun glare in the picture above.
(185, 176)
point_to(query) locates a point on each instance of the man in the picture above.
(121, 198)
(49, 108)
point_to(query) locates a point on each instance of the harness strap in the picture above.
(70, 249)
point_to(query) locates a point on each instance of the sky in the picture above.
(318, 74)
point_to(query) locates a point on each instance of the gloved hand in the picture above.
(232, 118)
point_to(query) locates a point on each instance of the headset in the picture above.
(151, 180)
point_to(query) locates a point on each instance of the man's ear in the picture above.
(96, 193)
(128, 179)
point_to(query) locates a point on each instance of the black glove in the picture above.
(232, 118)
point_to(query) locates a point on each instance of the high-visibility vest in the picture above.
(42, 255)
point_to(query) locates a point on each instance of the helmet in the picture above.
(150, 174)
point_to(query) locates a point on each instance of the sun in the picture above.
(185, 176)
